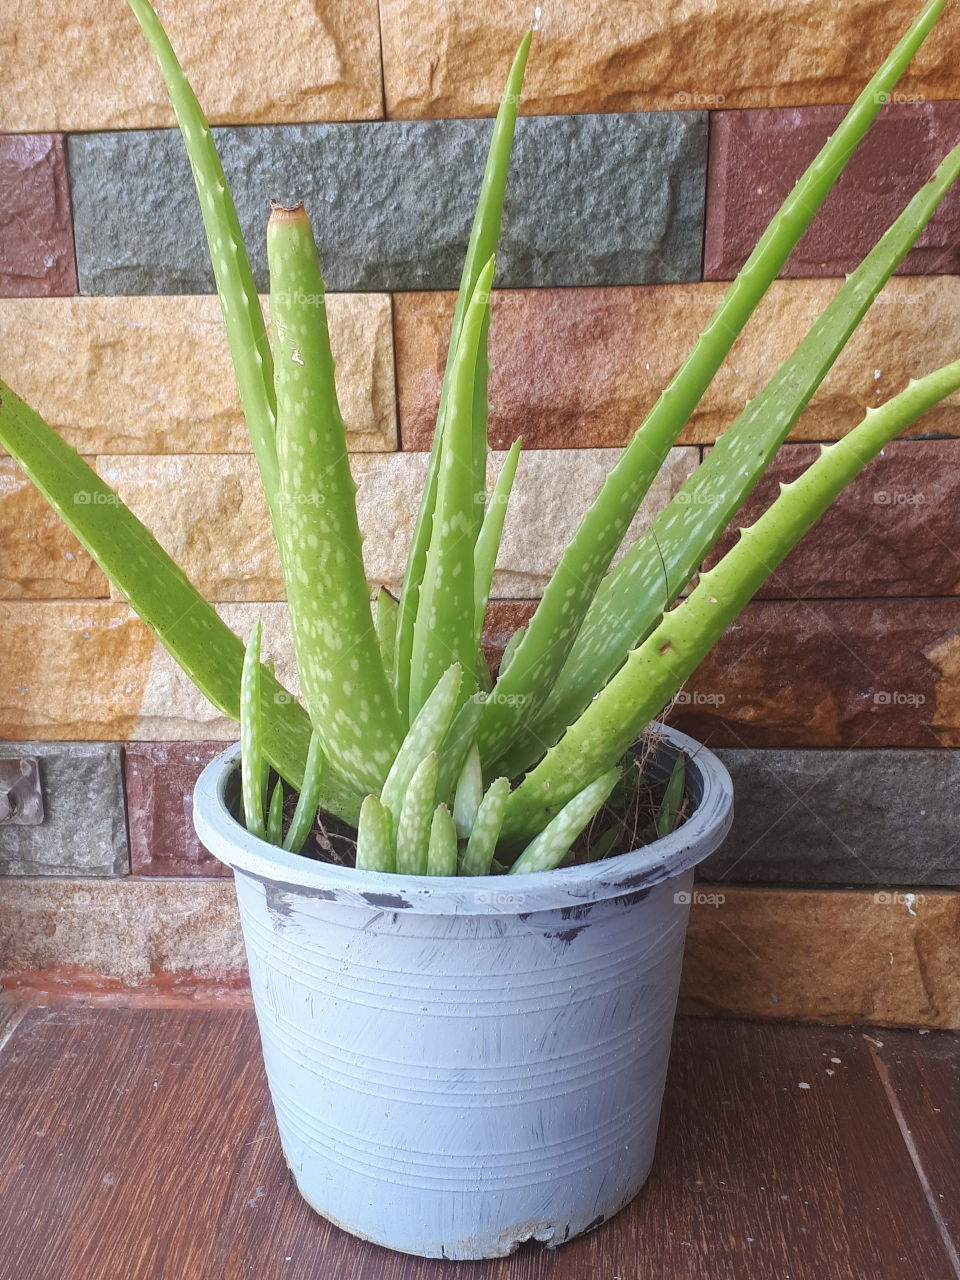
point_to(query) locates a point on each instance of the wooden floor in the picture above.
(138, 1144)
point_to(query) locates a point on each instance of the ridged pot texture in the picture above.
(458, 1065)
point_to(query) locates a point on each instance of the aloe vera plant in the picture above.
(402, 732)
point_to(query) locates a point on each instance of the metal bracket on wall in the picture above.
(21, 794)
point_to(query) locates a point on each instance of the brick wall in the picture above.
(655, 143)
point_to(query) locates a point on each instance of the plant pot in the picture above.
(461, 1064)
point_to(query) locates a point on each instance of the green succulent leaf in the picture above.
(342, 677)
(663, 560)
(375, 837)
(252, 773)
(444, 627)
(424, 736)
(158, 590)
(459, 739)
(308, 801)
(239, 301)
(553, 843)
(539, 659)
(671, 805)
(654, 672)
(275, 815)
(385, 618)
(481, 845)
(416, 816)
(491, 533)
(442, 850)
(482, 245)
(469, 794)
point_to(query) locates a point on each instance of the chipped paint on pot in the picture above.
(461, 1064)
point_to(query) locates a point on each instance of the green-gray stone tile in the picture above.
(593, 200)
(84, 832)
(859, 818)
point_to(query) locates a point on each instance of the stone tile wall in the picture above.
(655, 142)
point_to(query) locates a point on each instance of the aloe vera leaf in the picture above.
(456, 746)
(252, 772)
(480, 415)
(423, 737)
(374, 837)
(511, 648)
(553, 843)
(342, 677)
(416, 814)
(482, 244)
(308, 801)
(654, 671)
(442, 848)
(604, 844)
(478, 855)
(569, 593)
(491, 532)
(275, 815)
(661, 562)
(669, 811)
(242, 313)
(157, 589)
(469, 794)
(444, 629)
(482, 671)
(385, 620)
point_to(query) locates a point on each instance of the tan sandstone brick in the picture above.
(581, 367)
(153, 374)
(209, 514)
(590, 55)
(86, 65)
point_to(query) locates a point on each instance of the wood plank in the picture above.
(921, 1073)
(138, 1144)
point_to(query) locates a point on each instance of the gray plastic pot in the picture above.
(459, 1065)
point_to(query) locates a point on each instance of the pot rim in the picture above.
(632, 873)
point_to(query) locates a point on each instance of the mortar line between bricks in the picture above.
(383, 70)
(399, 447)
(878, 599)
(711, 115)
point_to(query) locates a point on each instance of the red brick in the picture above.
(892, 532)
(504, 617)
(159, 779)
(581, 368)
(36, 231)
(838, 673)
(756, 157)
